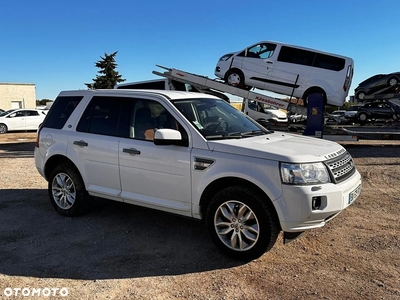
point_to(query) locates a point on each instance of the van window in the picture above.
(310, 58)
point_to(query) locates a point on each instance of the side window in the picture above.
(32, 113)
(60, 111)
(264, 51)
(148, 116)
(101, 116)
(328, 62)
(296, 56)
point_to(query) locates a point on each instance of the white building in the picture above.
(17, 95)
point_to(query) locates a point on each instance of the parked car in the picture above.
(296, 118)
(21, 119)
(351, 112)
(194, 155)
(373, 111)
(375, 84)
(288, 70)
(336, 117)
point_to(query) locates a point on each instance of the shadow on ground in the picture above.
(114, 240)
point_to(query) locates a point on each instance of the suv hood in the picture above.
(280, 146)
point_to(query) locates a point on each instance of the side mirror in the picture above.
(163, 137)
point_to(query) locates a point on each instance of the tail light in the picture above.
(38, 136)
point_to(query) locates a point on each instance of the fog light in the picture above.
(316, 203)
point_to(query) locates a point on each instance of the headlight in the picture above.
(226, 57)
(302, 174)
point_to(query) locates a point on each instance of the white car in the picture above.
(258, 110)
(21, 119)
(288, 70)
(194, 155)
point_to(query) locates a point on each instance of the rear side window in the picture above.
(101, 116)
(310, 58)
(60, 111)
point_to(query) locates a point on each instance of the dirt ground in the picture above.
(119, 251)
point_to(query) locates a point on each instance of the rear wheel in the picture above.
(3, 128)
(242, 224)
(362, 118)
(67, 191)
(393, 81)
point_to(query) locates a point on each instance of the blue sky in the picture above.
(54, 44)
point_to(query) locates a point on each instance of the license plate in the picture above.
(354, 194)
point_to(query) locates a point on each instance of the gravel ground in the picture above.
(120, 251)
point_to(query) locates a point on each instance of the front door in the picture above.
(154, 176)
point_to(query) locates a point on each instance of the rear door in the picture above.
(95, 142)
(33, 119)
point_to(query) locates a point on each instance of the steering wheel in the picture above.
(220, 125)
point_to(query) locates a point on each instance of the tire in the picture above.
(3, 128)
(360, 95)
(67, 191)
(313, 91)
(362, 118)
(234, 215)
(393, 81)
(235, 78)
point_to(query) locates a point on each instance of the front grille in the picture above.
(341, 167)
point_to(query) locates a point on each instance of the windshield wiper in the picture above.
(255, 132)
(237, 135)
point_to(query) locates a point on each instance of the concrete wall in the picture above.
(13, 94)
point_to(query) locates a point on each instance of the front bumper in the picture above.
(306, 207)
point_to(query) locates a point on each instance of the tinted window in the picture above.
(296, 56)
(155, 85)
(329, 62)
(310, 58)
(60, 111)
(32, 113)
(101, 116)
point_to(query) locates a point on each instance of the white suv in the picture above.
(195, 155)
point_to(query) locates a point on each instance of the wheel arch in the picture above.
(312, 90)
(393, 77)
(222, 183)
(56, 160)
(230, 70)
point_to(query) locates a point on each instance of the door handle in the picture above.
(80, 143)
(131, 151)
(269, 62)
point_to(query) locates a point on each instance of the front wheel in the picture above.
(360, 95)
(67, 191)
(236, 78)
(362, 118)
(3, 128)
(242, 224)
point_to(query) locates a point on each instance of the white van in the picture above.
(288, 70)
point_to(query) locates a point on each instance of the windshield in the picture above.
(6, 112)
(216, 119)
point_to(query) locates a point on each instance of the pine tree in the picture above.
(108, 76)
